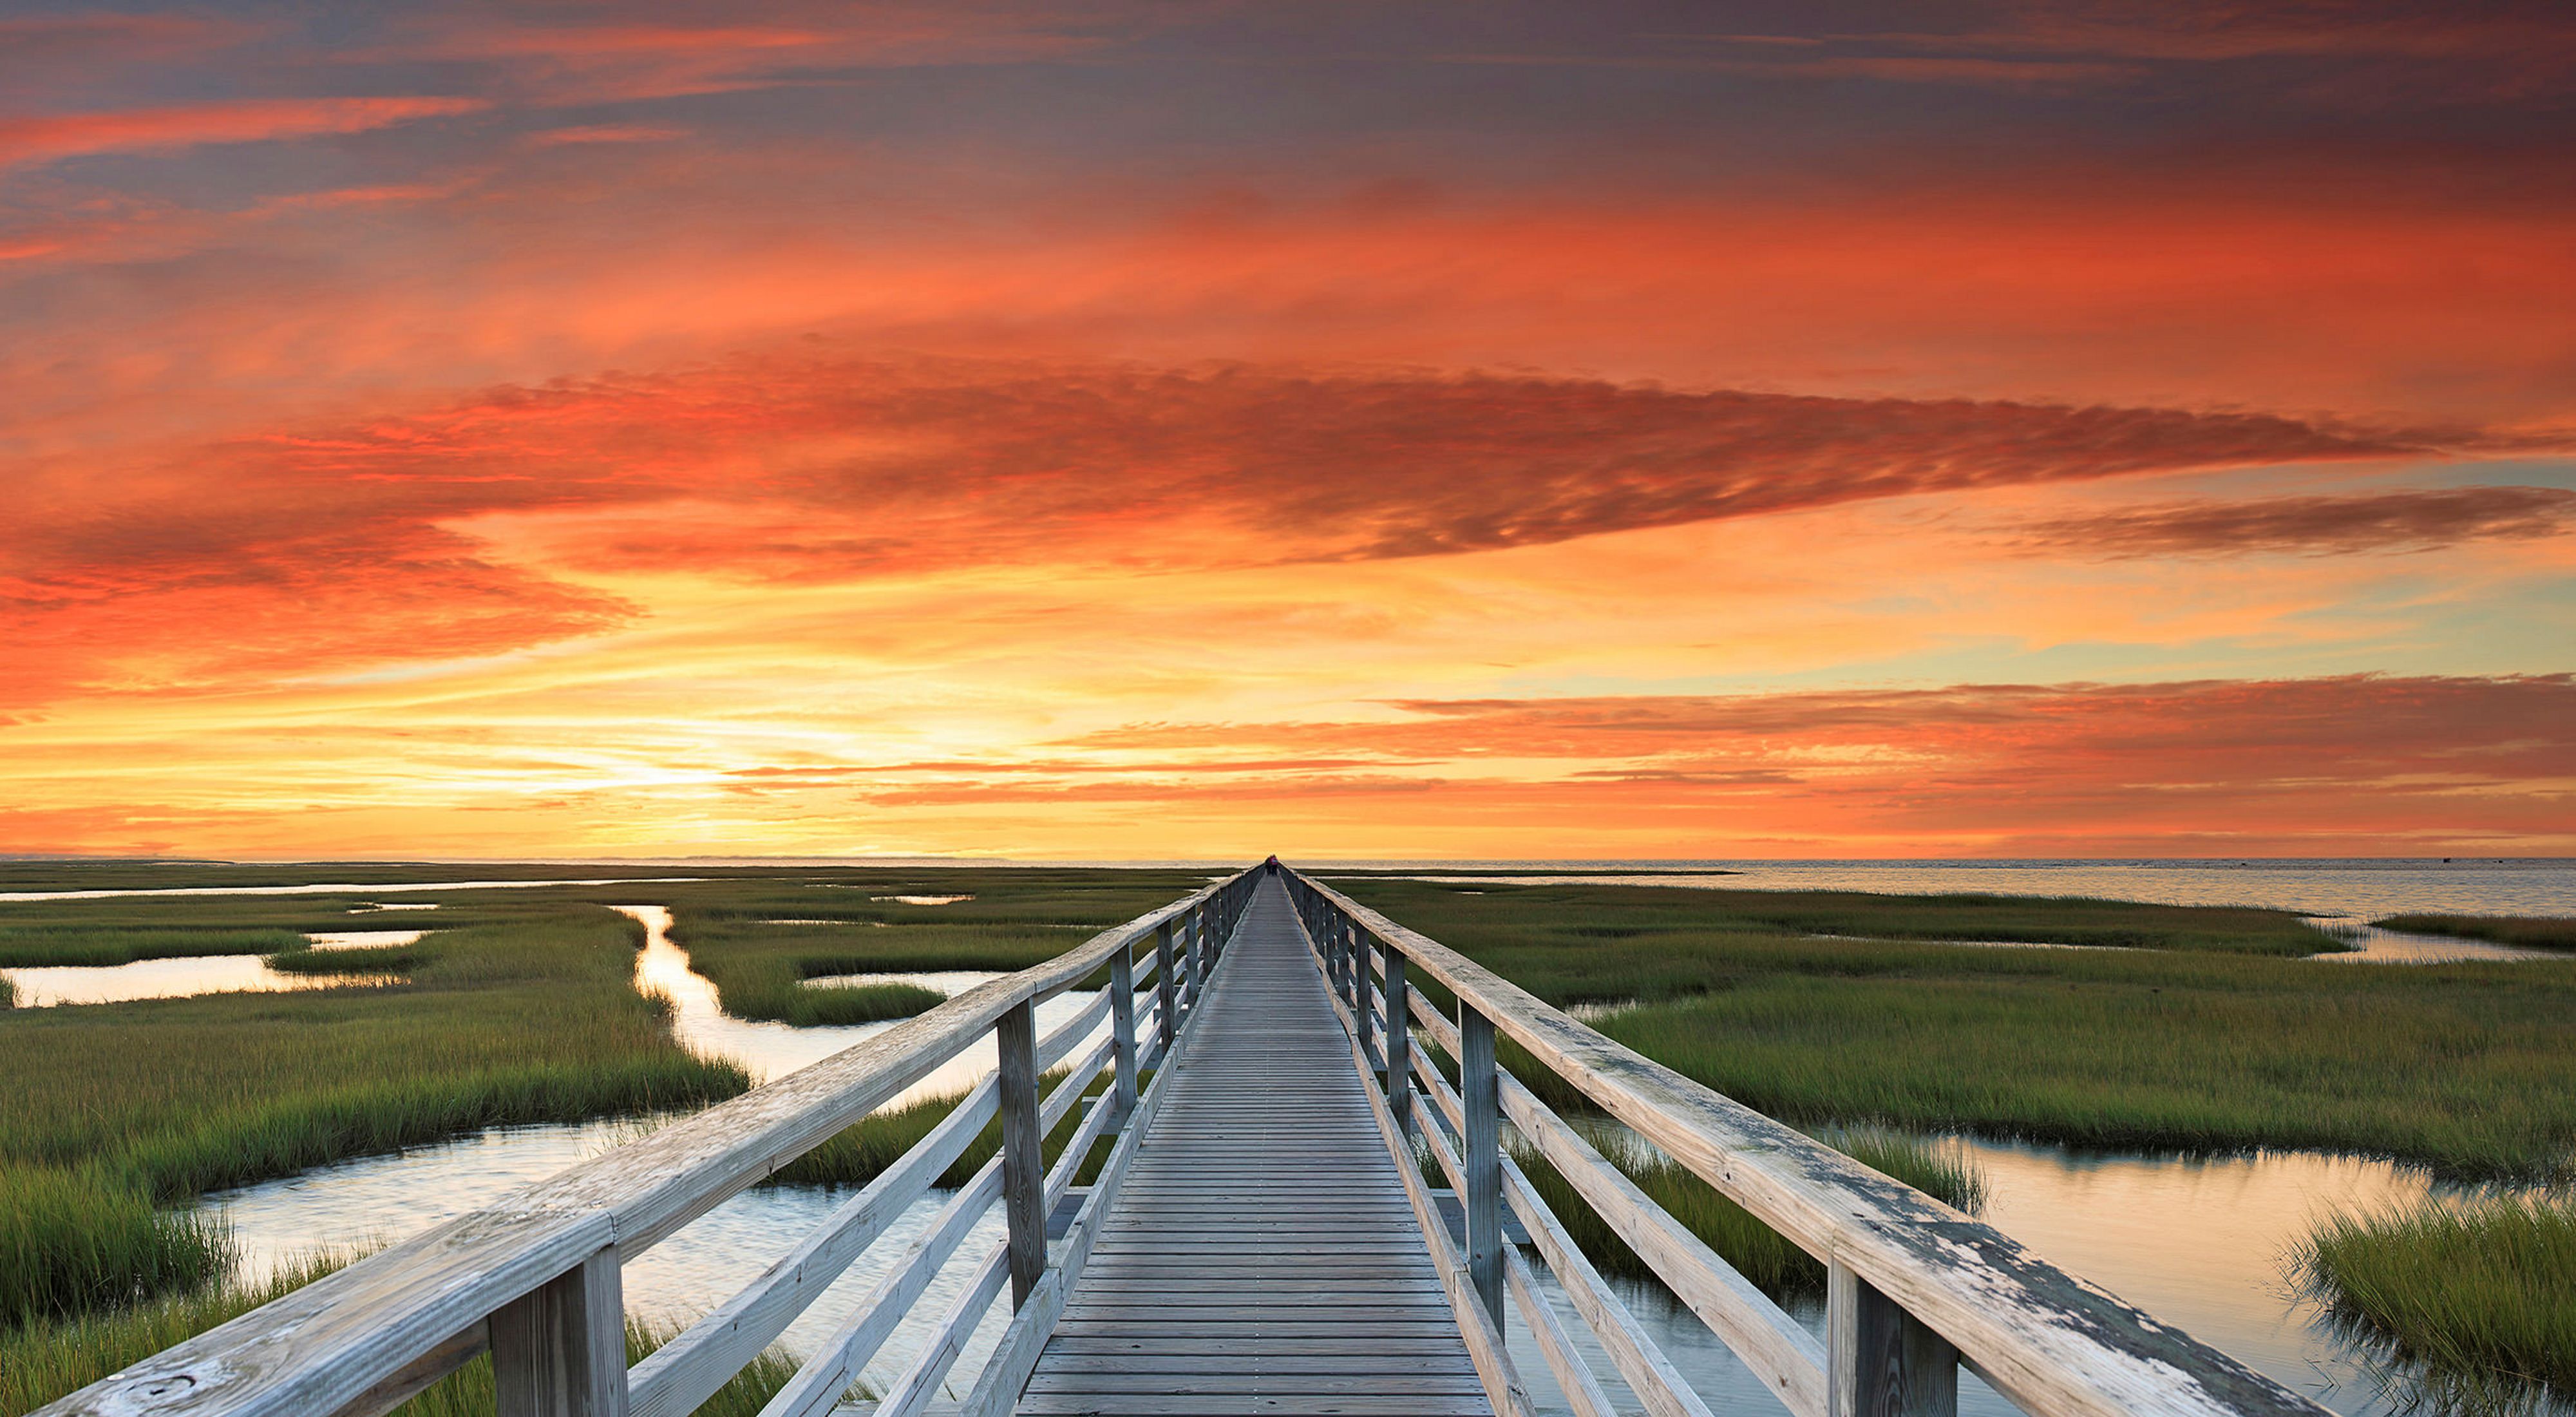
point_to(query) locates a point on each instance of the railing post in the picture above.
(1480, 1143)
(1198, 952)
(560, 1350)
(1168, 988)
(1023, 1166)
(1357, 953)
(1881, 1361)
(1399, 1041)
(1360, 1010)
(1122, 1024)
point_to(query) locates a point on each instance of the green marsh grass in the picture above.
(2478, 1295)
(2468, 1069)
(373, 959)
(153, 1102)
(36, 946)
(2536, 932)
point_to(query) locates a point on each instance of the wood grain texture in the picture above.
(1023, 1168)
(1882, 1362)
(1259, 1254)
(560, 1350)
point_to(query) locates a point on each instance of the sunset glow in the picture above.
(1153, 430)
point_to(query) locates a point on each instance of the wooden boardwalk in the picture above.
(1261, 1257)
(1249, 1246)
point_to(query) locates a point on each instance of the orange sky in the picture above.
(1139, 430)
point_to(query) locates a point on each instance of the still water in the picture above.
(188, 975)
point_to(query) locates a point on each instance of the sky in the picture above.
(1117, 429)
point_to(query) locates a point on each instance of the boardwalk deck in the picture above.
(1261, 1257)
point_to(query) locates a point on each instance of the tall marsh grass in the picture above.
(2533, 932)
(2478, 1295)
(35, 946)
(374, 959)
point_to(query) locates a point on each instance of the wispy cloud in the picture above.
(2401, 521)
(54, 137)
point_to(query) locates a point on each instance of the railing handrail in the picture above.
(2054, 1344)
(397, 1319)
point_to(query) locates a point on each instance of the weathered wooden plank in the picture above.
(1122, 1025)
(1574, 1379)
(819, 1383)
(560, 1351)
(919, 1382)
(1402, 1361)
(675, 1378)
(1256, 1349)
(1254, 1404)
(1111, 1381)
(1880, 1360)
(1659, 1386)
(1023, 1165)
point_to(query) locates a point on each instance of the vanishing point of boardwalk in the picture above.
(1261, 1256)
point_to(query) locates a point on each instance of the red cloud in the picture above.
(814, 467)
(2416, 520)
(55, 136)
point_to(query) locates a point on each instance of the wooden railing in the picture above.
(535, 1280)
(1914, 1289)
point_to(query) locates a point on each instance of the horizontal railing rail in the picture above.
(1914, 1289)
(535, 1280)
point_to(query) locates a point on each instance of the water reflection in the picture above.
(768, 1050)
(2372, 945)
(47, 986)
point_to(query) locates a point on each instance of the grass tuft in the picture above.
(2535, 932)
(2480, 1294)
(380, 959)
(39, 946)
